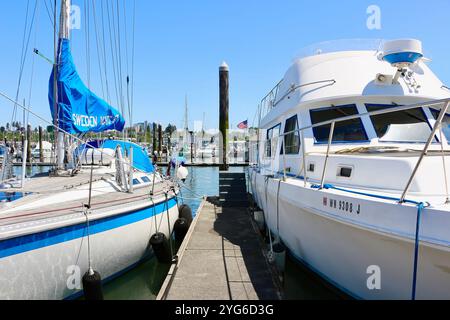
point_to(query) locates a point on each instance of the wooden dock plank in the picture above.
(222, 259)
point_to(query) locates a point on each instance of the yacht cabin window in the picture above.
(344, 131)
(445, 123)
(400, 126)
(272, 140)
(292, 139)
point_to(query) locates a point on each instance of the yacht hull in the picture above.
(349, 248)
(51, 263)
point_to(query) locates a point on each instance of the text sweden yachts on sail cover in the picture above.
(84, 121)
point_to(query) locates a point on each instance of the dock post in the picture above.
(160, 142)
(192, 145)
(223, 114)
(154, 138)
(29, 143)
(41, 152)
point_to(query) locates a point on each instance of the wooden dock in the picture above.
(221, 258)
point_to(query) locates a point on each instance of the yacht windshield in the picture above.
(400, 126)
(445, 123)
(348, 130)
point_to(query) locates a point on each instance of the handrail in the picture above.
(330, 139)
(436, 126)
(371, 113)
(274, 93)
(293, 88)
(445, 106)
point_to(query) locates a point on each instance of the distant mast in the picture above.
(186, 121)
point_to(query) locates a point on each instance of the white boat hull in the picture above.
(341, 245)
(51, 264)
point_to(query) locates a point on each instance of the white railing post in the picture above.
(330, 138)
(24, 162)
(425, 149)
(131, 173)
(283, 144)
(447, 199)
(302, 136)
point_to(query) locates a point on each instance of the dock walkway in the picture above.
(221, 258)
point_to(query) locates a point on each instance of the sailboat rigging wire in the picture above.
(97, 41)
(104, 51)
(58, 128)
(87, 42)
(113, 57)
(86, 213)
(33, 59)
(48, 12)
(25, 45)
(120, 64)
(132, 58)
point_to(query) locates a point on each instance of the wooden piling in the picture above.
(223, 114)
(159, 138)
(29, 143)
(41, 152)
(192, 146)
(154, 137)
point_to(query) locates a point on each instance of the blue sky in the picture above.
(180, 45)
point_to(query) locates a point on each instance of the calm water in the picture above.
(144, 281)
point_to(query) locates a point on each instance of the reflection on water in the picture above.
(141, 283)
(302, 284)
(30, 171)
(144, 281)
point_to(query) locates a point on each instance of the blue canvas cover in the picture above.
(80, 110)
(141, 161)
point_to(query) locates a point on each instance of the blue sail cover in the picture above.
(141, 161)
(80, 110)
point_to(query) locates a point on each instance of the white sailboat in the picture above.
(351, 169)
(97, 217)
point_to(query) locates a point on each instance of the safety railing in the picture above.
(272, 99)
(442, 104)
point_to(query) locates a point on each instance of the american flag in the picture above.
(243, 125)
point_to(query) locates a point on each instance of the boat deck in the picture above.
(105, 195)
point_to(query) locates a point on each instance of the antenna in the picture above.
(402, 54)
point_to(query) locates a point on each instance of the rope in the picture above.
(86, 213)
(420, 208)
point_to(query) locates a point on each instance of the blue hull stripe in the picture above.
(35, 241)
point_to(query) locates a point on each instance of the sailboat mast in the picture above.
(64, 33)
(186, 122)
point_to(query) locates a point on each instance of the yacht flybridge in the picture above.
(351, 168)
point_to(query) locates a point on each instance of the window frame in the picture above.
(145, 179)
(427, 120)
(431, 109)
(272, 153)
(283, 143)
(364, 130)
